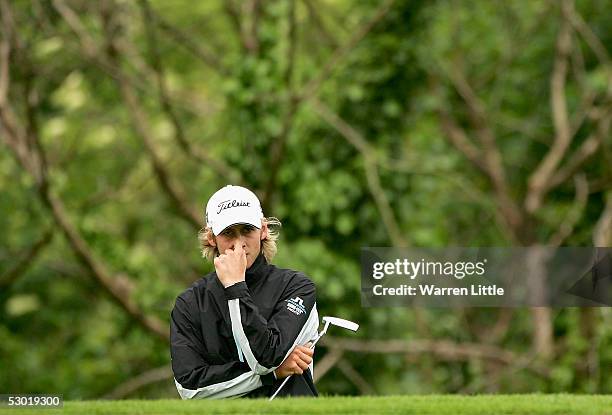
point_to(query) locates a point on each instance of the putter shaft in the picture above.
(346, 324)
(287, 378)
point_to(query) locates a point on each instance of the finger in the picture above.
(306, 360)
(303, 360)
(298, 371)
(238, 247)
(239, 250)
(305, 350)
(304, 357)
(302, 365)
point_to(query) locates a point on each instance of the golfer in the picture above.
(239, 331)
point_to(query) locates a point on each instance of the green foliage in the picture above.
(61, 333)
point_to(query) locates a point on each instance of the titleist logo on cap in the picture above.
(226, 204)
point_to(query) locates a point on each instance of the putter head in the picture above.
(340, 322)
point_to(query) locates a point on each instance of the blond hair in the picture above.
(268, 245)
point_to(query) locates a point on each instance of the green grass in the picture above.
(411, 404)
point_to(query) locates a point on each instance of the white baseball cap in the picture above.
(231, 205)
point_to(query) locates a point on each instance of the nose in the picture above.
(240, 239)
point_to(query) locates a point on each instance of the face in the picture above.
(249, 236)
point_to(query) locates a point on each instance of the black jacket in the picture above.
(226, 342)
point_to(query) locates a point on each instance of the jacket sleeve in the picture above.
(267, 343)
(193, 376)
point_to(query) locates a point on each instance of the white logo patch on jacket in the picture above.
(296, 306)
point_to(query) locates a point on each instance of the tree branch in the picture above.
(295, 100)
(5, 52)
(236, 13)
(252, 9)
(587, 149)
(8, 124)
(98, 269)
(90, 51)
(139, 122)
(538, 183)
(277, 150)
(25, 260)
(493, 164)
(587, 34)
(370, 167)
(186, 42)
(190, 151)
(364, 387)
(458, 138)
(460, 141)
(315, 83)
(602, 233)
(327, 363)
(319, 24)
(573, 216)
(28, 158)
(442, 349)
(144, 379)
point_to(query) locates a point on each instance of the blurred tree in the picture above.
(358, 124)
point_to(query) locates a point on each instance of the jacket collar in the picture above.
(257, 270)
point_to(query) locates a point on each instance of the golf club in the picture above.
(340, 322)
